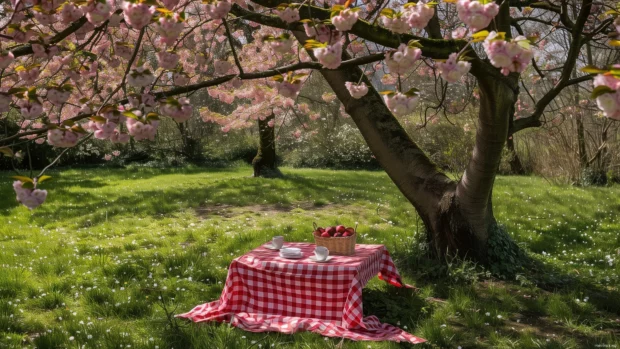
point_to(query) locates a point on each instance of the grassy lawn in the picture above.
(113, 253)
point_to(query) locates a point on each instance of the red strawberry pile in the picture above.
(334, 232)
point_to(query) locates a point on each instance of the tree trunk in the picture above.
(264, 162)
(458, 217)
(516, 167)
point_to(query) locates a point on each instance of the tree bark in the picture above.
(264, 162)
(458, 217)
(516, 167)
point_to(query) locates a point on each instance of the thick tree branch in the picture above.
(431, 48)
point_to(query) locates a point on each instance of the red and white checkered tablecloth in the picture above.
(265, 292)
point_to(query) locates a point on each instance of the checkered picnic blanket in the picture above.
(265, 292)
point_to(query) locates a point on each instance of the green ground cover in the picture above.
(113, 253)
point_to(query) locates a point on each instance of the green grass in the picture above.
(113, 253)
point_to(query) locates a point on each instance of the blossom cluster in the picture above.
(509, 56)
(452, 69)
(402, 60)
(475, 14)
(357, 91)
(62, 138)
(608, 102)
(401, 103)
(31, 198)
(180, 110)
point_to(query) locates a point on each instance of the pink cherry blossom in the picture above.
(459, 33)
(331, 56)
(289, 90)
(418, 15)
(107, 157)
(321, 32)
(41, 51)
(169, 28)
(118, 137)
(345, 20)
(5, 102)
(402, 60)
(356, 91)
(98, 11)
(58, 96)
(607, 80)
(180, 78)
(31, 198)
(123, 50)
(137, 15)
(62, 138)
(80, 34)
(281, 44)
(115, 20)
(397, 24)
(218, 9)
(140, 77)
(170, 4)
(29, 75)
(476, 15)
(452, 69)
(289, 14)
(141, 130)
(70, 13)
(44, 18)
(222, 67)
(30, 108)
(180, 110)
(508, 56)
(609, 103)
(6, 58)
(167, 60)
(401, 104)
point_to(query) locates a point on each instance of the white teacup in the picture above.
(321, 253)
(277, 241)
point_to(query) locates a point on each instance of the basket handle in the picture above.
(355, 227)
(314, 225)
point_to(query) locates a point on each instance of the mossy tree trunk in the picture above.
(265, 161)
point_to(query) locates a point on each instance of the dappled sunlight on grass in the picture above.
(113, 253)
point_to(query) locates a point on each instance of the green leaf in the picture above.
(131, 115)
(23, 179)
(388, 12)
(592, 70)
(601, 90)
(43, 178)
(98, 119)
(16, 90)
(480, 36)
(6, 151)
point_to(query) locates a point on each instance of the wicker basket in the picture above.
(340, 246)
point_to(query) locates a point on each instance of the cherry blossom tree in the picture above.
(112, 69)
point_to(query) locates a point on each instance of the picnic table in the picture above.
(265, 292)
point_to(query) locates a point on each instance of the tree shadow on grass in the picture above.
(90, 208)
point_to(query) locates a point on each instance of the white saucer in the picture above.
(292, 257)
(313, 258)
(272, 247)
